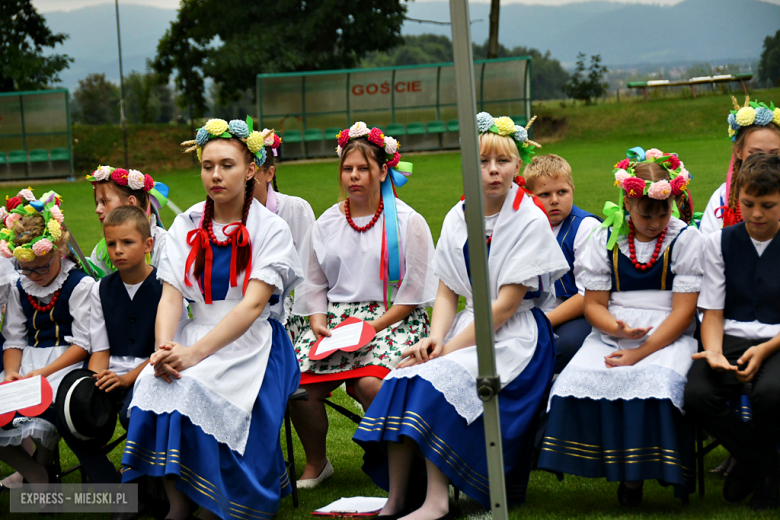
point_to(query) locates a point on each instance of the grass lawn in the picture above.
(597, 137)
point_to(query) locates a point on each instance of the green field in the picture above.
(592, 139)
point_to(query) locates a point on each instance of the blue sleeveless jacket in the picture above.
(49, 329)
(626, 277)
(565, 287)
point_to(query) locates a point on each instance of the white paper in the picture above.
(354, 504)
(20, 394)
(346, 336)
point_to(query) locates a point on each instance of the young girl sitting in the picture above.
(615, 410)
(429, 404)
(46, 327)
(207, 412)
(117, 187)
(754, 128)
(350, 272)
(293, 210)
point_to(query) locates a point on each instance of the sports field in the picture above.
(592, 140)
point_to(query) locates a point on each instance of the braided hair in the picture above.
(739, 144)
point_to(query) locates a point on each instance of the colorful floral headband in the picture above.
(753, 113)
(25, 204)
(375, 136)
(254, 140)
(134, 179)
(626, 179)
(506, 127)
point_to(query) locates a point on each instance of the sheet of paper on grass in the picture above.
(341, 337)
(20, 394)
(352, 506)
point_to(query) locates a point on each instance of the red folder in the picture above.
(365, 337)
(31, 411)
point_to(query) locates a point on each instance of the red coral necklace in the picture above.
(632, 249)
(213, 237)
(362, 229)
(44, 308)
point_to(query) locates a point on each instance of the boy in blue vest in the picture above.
(740, 333)
(123, 311)
(549, 178)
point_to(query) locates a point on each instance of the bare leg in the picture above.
(366, 389)
(399, 461)
(311, 424)
(180, 507)
(20, 460)
(437, 500)
(205, 514)
(15, 480)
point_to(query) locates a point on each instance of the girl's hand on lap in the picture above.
(108, 380)
(422, 351)
(165, 371)
(753, 357)
(626, 332)
(320, 331)
(716, 360)
(38, 372)
(11, 376)
(624, 358)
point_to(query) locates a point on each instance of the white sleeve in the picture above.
(713, 288)
(311, 297)
(419, 285)
(275, 261)
(596, 269)
(15, 324)
(79, 306)
(687, 261)
(580, 241)
(302, 223)
(160, 236)
(98, 335)
(709, 223)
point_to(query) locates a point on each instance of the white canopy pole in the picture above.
(488, 383)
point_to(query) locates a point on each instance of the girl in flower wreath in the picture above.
(46, 327)
(616, 409)
(369, 257)
(753, 128)
(207, 411)
(295, 211)
(115, 187)
(429, 404)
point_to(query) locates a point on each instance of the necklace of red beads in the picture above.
(213, 237)
(632, 249)
(44, 308)
(362, 229)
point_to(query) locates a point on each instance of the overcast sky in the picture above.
(68, 5)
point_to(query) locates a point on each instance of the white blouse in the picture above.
(713, 291)
(710, 223)
(587, 226)
(15, 326)
(342, 265)
(298, 215)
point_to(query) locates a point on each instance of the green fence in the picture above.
(415, 104)
(35, 135)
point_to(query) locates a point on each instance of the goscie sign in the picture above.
(372, 89)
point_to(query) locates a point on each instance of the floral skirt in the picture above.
(293, 324)
(384, 351)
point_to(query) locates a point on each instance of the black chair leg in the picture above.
(700, 459)
(290, 456)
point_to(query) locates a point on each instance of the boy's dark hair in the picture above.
(760, 174)
(129, 214)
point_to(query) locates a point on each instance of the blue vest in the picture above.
(626, 277)
(565, 287)
(752, 284)
(130, 323)
(45, 330)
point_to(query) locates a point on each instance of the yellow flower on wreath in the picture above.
(255, 141)
(505, 125)
(216, 127)
(55, 230)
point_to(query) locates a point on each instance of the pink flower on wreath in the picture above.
(11, 219)
(673, 162)
(620, 177)
(685, 173)
(148, 183)
(56, 214)
(679, 184)
(660, 190)
(42, 247)
(392, 163)
(277, 141)
(377, 137)
(653, 153)
(343, 137)
(634, 187)
(5, 250)
(119, 176)
(622, 165)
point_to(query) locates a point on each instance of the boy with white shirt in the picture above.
(740, 333)
(549, 178)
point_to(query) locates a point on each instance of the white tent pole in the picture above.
(488, 383)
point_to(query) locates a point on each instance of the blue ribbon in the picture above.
(391, 227)
(636, 153)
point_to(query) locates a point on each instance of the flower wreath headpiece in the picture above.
(244, 131)
(133, 179)
(753, 113)
(25, 204)
(634, 187)
(375, 136)
(505, 126)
